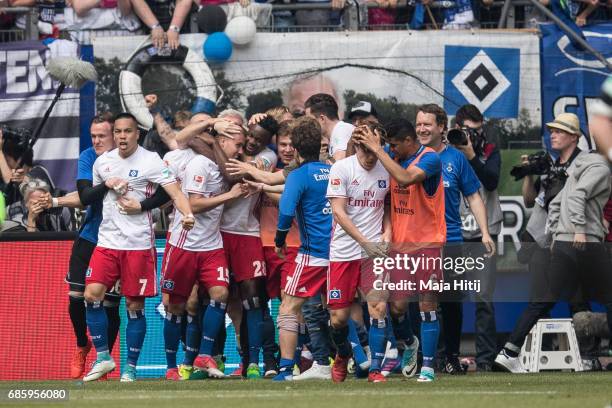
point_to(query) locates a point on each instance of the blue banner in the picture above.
(571, 79)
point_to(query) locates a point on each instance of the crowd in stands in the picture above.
(169, 18)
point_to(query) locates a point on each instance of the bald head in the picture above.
(303, 88)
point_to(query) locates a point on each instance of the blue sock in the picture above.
(213, 319)
(430, 331)
(362, 333)
(98, 326)
(172, 337)
(358, 353)
(286, 363)
(254, 318)
(391, 337)
(192, 340)
(402, 329)
(297, 358)
(135, 335)
(377, 342)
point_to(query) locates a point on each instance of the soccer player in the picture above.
(459, 180)
(418, 229)
(177, 161)
(304, 199)
(242, 243)
(86, 195)
(125, 242)
(101, 131)
(277, 269)
(197, 256)
(324, 108)
(357, 189)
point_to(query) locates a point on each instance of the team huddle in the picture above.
(294, 209)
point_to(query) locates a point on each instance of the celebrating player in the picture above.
(243, 248)
(125, 242)
(101, 131)
(357, 189)
(198, 256)
(459, 180)
(303, 198)
(324, 108)
(418, 228)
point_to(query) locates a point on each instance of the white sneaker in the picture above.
(316, 372)
(98, 369)
(511, 364)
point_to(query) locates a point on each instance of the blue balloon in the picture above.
(217, 47)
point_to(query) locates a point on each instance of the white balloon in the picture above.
(241, 30)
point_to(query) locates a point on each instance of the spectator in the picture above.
(49, 11)
(30, 212)
(99, 14)
(11, 151)
(461, 16)
(384, 14)
(534, 16)
(164, 19)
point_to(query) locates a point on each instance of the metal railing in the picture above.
(30, 32)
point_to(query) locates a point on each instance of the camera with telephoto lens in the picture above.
(20, 137)
(537, 164)
(459, 137)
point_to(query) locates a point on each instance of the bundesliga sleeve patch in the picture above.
(335, 182)
(198, 180)
(166, 172)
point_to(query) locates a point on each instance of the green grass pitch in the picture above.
(495, 390)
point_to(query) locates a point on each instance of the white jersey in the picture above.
(340, 136)
(365, 192)
(144, 171)
(177, 161)
(202, 176)
(239, 215)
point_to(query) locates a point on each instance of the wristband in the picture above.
(154, 26)
(610, 154)
(280, 238)
(54, 202)
(154, 110)
(174, 28)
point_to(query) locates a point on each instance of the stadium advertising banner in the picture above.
(26, 91)
(571, 79)
(35, 326)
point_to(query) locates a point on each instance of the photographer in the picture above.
(537, 194)
(13, 147)
(485, 160)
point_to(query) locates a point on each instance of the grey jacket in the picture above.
(578, 208)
